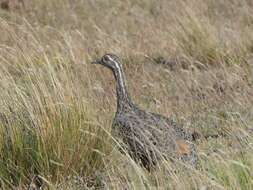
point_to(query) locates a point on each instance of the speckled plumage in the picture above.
(148, 137)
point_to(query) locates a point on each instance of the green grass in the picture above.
(56, 108)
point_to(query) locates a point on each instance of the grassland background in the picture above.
(191, 60)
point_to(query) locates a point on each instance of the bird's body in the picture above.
(148, 137)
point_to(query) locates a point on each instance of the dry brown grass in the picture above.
(191, 60)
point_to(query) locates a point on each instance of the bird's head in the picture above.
(109, 60)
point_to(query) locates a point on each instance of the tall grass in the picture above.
(56, 109)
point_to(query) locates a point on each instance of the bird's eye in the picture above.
(106, 58)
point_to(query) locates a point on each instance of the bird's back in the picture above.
(150, 137)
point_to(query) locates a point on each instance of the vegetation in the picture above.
(188, 59)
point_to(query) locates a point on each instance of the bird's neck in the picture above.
(123, 98)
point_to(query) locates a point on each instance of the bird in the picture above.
(36, 183)
(148, 137)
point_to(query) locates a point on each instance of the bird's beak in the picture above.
(98, 61)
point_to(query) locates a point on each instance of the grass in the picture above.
(190, 60)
